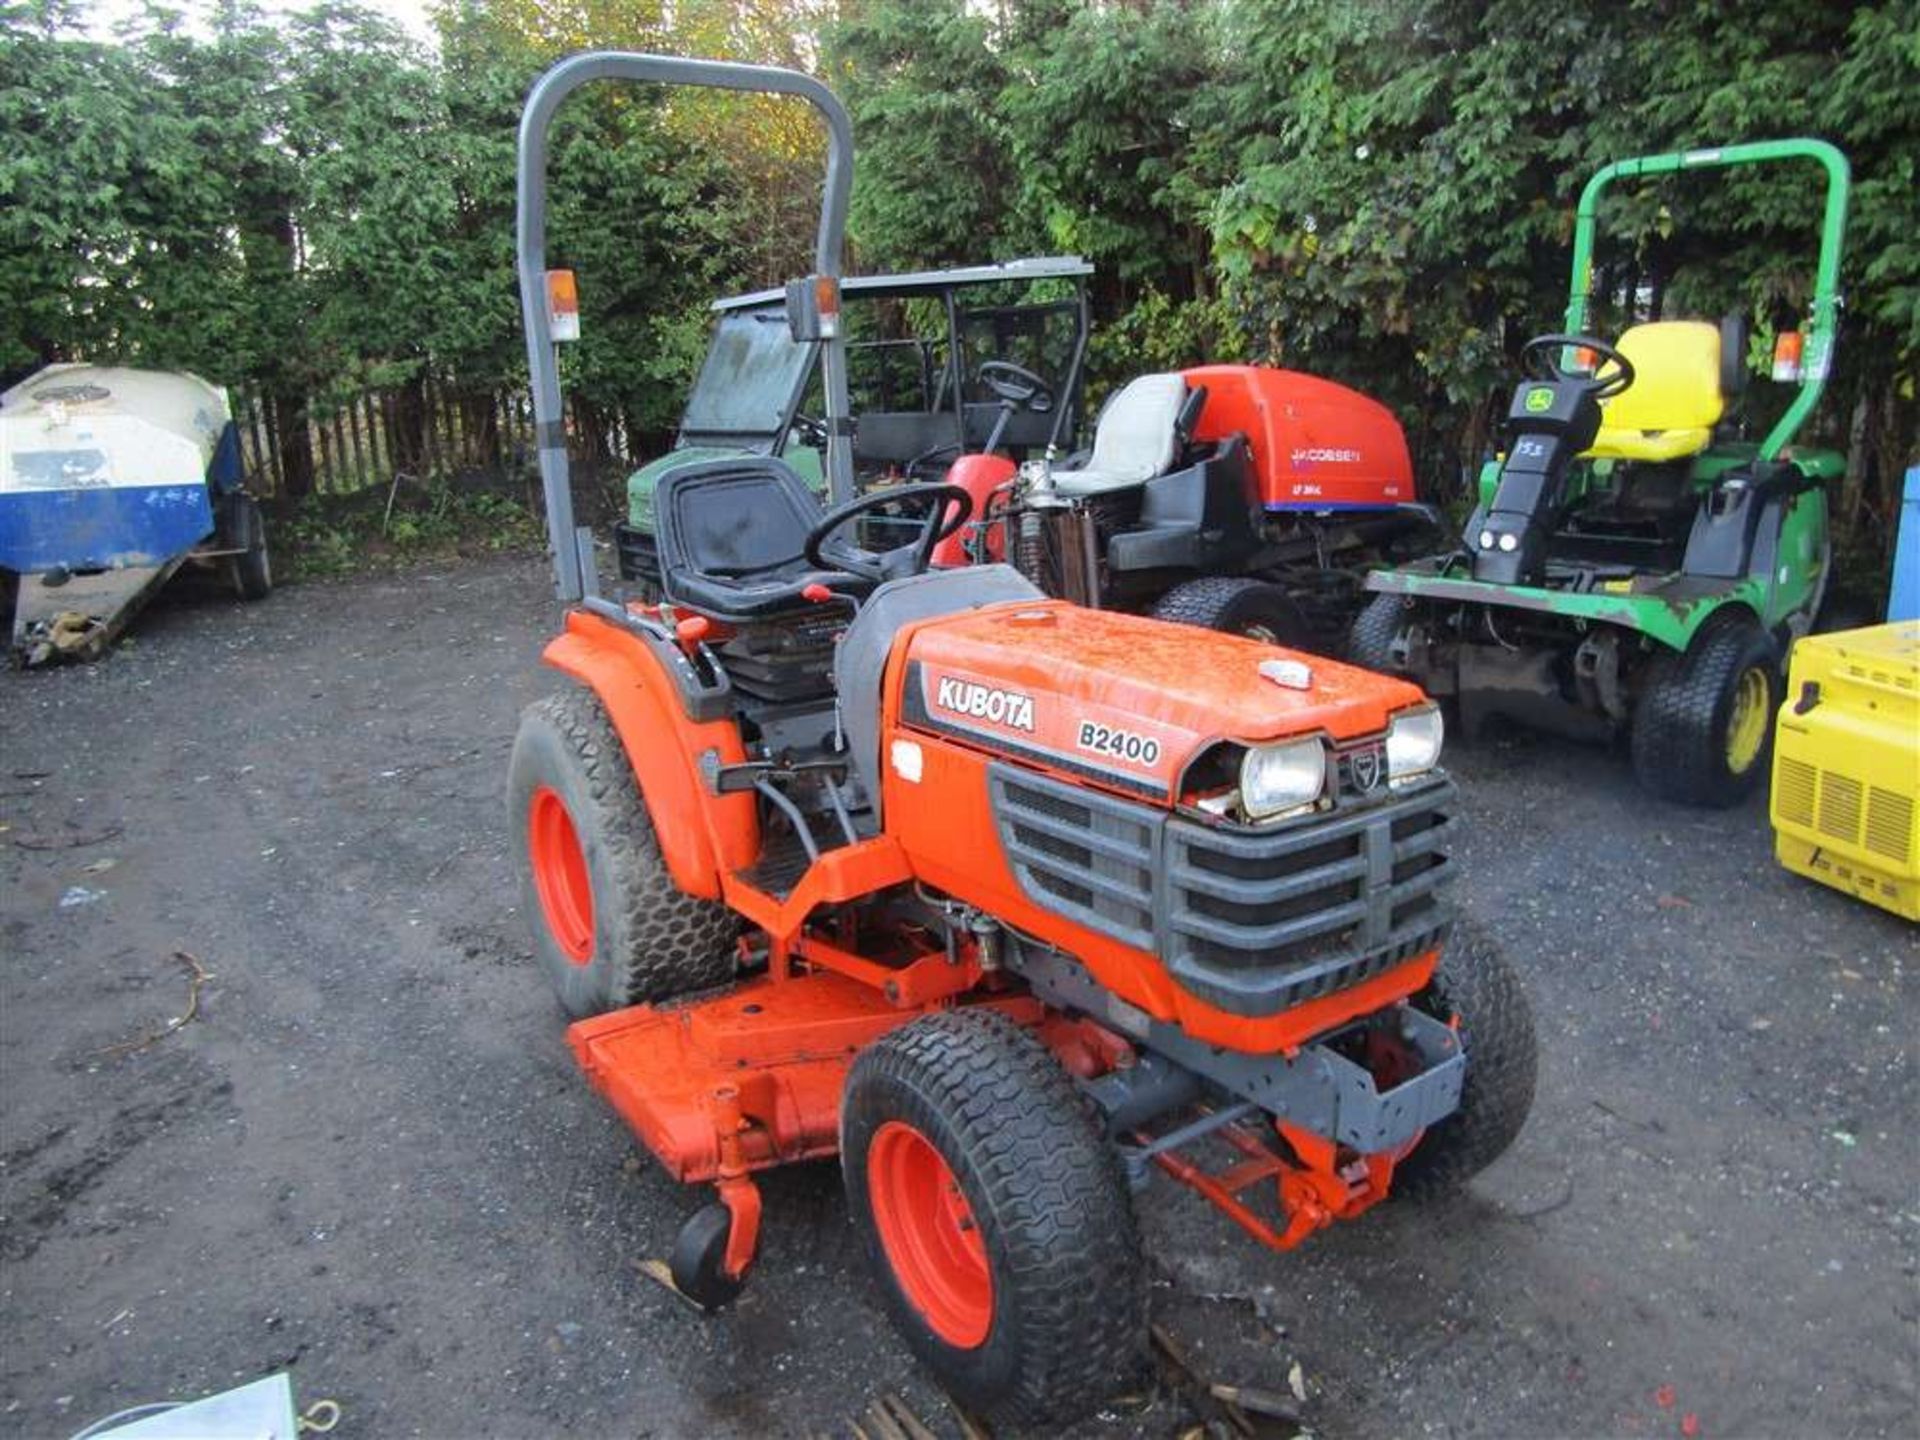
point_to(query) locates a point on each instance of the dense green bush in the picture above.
(1380, 191)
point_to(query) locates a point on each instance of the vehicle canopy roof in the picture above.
(931, 282)
(749, 387)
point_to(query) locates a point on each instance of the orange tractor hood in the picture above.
(1121, 700)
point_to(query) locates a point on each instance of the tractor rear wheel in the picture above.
(995, 1215)
(1237, 605)
(1703, 726)
(610, 928)
(1370, 641)
(1477, 988)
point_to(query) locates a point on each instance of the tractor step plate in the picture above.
(783, 1047)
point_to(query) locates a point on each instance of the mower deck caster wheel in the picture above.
(699, 1257)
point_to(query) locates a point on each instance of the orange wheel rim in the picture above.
(560, 875)
(933, 1243)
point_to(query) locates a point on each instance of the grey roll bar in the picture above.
(575, 574)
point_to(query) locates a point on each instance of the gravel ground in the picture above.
(368, 1158)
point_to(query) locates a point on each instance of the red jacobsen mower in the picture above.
(1006, 902)
(1240, 498)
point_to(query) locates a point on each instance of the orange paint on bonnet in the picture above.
(1174, 684)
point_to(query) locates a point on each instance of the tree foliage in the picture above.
(1381, 191)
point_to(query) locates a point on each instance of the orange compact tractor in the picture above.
(1006, 902)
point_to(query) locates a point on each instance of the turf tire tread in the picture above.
(662, 942)
(1370, 641)
(1476, 982)
(1678, 734)
(1209, 602)
(1047, 1185)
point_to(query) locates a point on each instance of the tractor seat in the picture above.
(1137, 437)
(731, 535)
(1681, 386)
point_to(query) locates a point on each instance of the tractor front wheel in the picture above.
(610, 928)
(1476, 989)
(995, 1215)
(1703, 726)
(1238, 606)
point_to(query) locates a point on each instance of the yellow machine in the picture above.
(1846, 765)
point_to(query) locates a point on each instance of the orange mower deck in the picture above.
(761, 1066)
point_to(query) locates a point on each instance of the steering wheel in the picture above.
(1541, 356)
(908, 559)
(812, 431)
(1016, 386)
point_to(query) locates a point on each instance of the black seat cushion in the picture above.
(731, 535)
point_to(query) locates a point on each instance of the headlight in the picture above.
(1282, 777)
(1413, 742)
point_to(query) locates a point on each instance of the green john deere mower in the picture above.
(1634, 565)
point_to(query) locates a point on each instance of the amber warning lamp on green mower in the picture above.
(813, 308)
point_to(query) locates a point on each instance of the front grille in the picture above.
(1253, 921)
(1084, 854)
(1288, 916)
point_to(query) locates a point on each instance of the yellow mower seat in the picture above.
(1674, 402)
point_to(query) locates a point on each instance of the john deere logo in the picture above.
(1538, 400)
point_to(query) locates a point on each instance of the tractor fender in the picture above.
(702, 836)
(1695, 619)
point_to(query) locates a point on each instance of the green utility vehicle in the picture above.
(928, 359)
(1634, 565)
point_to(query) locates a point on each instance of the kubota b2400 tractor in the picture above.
(1006, 902)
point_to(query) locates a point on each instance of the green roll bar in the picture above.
(1822, 328)
(575, 575)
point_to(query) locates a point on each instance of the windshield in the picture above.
(751, 377)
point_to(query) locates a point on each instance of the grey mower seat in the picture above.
(1135, 439)
(860, 663)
